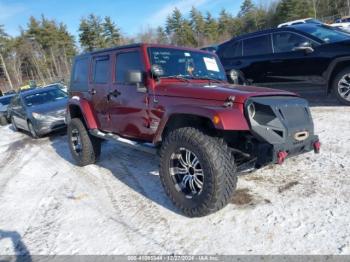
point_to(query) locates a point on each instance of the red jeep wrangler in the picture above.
(179, 101)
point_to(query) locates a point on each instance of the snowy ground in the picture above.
(50, 206)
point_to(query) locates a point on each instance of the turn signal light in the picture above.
(216, 120)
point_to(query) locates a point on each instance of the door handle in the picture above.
(114, 93)
(92, 91)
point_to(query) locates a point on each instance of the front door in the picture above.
(294, 69)
(128, 104)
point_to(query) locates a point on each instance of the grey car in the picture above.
(4, 102)
(39, 111)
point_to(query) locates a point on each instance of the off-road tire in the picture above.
(3, 121)
(218, 166)
(32, 131)
(90, 145)
(335, 83)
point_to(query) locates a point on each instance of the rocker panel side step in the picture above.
(145, 147)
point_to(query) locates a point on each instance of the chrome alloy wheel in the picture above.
(344, 87)
(76, 141)
(186, 172)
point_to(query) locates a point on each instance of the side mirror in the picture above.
(157, 71)
(306, 47)
(136, 77)
(233, 76)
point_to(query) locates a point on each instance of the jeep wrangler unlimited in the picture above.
(179, 101)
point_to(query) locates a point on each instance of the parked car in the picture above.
(39, 111)
(4, 102)
(342, 23)
(300, 21)
(304, 56)
(178, 100)
(211, 48)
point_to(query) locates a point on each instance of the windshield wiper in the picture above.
(210, 79)
(180, 77)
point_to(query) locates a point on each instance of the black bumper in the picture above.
(281, 127)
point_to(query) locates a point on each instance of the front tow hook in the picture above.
(317, 147)
(281, 156)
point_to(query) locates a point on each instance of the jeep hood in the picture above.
(216, 91)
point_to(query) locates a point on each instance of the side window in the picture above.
(101, 70)
(259, 45)
(126, 62)
(286, 41)
(80, 74)
(232, 50)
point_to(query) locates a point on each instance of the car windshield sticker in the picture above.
(211, 64)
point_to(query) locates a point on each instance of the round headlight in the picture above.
(251, 110)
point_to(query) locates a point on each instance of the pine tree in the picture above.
(211, 29)
(162, 37)
(111, 32)
(246, 7)
(197, 24)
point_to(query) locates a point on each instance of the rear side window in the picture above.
(232, 50)
(80, 74)
(257, 45)
(126, 62)
(101, 69)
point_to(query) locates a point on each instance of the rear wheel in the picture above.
(341, 86)
(197, 171)
(85, 148)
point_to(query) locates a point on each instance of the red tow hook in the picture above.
(317, 146)
(281, 156)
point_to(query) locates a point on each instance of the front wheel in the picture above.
(13, 123)
(84, 148)
(341, 86)
(197, 171)
(32, 130)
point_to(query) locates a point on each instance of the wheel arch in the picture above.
(178, 120)
(335, 68)
(81, 110)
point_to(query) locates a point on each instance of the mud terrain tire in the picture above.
(89, 148)
(216, 162)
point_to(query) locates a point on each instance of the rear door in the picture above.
(257, 52)
(128, 104)
(100, 81)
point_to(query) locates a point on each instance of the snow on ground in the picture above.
(50, 206)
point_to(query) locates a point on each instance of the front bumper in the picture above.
(281, 127)
(276, 154)
(49, 124)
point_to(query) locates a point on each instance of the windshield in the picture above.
(44, 97)
(187, 64)
(5, 100)
(325, 33)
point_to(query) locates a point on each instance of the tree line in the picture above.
(44, 49)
